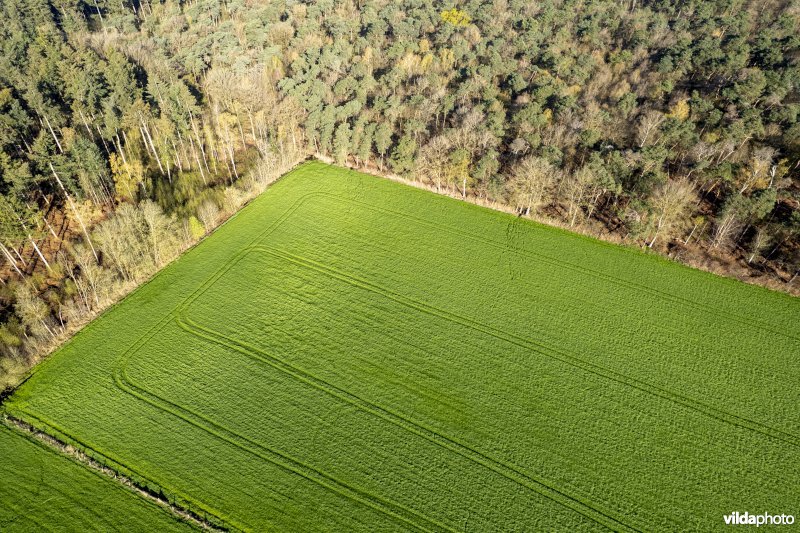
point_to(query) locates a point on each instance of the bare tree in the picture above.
(761, 240)
(433, 162)
(33, 312)
(671, 203)
(208, 213)
(647, 129)
(531, 181)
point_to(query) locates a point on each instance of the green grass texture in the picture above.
(352, 354)
(41, 490)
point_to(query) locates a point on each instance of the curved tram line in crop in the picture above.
(282, 460)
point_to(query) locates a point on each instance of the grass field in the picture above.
(349, 353)
(41, 490)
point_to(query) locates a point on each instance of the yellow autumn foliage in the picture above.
(456, 17)
(680, 110)
(126, 176)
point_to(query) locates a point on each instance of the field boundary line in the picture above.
(66, 495)
(54, 431)
(750, 322)
(504, 469)
(62, 435)
(53, 446)
(543, 349)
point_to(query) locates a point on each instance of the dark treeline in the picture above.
(128, 128)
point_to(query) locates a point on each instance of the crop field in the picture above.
(349, 353)
(41, 490)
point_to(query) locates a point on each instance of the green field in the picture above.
(349, 353)
(41, 490)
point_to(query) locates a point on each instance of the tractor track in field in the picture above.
(563, 357)
(505, 247)
(542, 349)
(499, 467)
(281, 460)
(505, 470)
(62, 435)
(177, 314)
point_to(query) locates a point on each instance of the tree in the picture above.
(670, 203)
(455, 17)
(196, 228)
(760, 241)
(458, 171)
(33, 312)
(758, 170)
(208, 213)
(124, 243)
(364, 149)
(162, 232)
(402, 160)
(19, 222)
(75, 211)
(127, 174)
(648, 130)
(383, 139)
(433, 162)
(92, 280)
(341, 143)
(531, 180)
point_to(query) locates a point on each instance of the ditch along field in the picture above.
(349, 353)
(41, 490)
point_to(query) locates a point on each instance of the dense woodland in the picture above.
(131, 128)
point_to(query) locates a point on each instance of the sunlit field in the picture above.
(349, 353)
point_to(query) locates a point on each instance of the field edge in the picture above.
(53, 441)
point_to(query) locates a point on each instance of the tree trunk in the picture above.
(11, 259)
(85, 122)
(75, 210)
(199, 164)
(199, 142)
(177, 155)
(53, 133)
(690, 235)
(152, 145)
(125, 163)
(39, 253)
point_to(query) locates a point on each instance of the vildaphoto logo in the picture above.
(764, 519)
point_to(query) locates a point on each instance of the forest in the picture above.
(131, 128)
